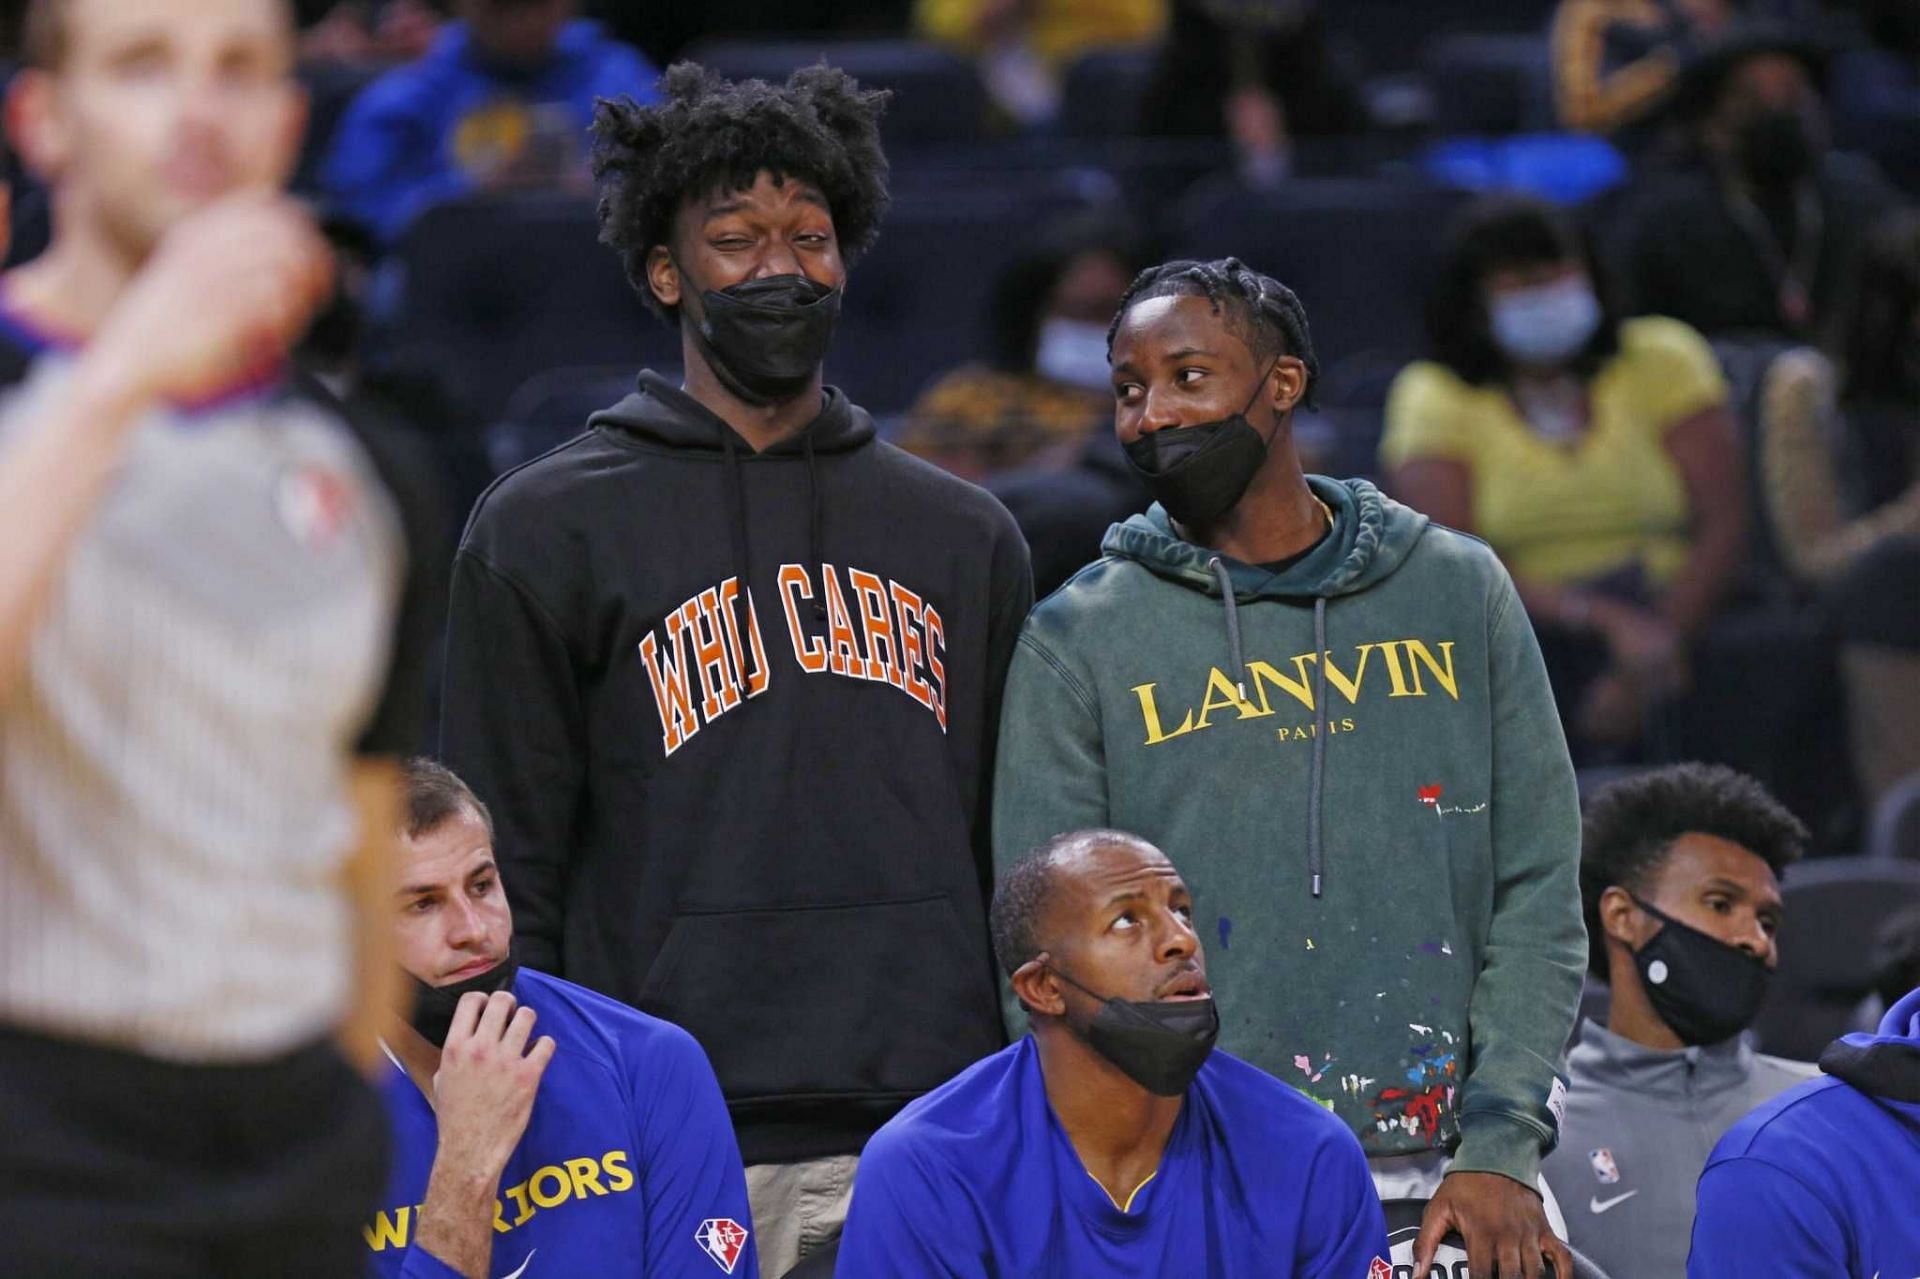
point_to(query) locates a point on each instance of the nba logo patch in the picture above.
(1379, 1269)
(1603, 1166)
(315, 505)
(723, 1239)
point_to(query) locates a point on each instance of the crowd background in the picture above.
(1748, 171)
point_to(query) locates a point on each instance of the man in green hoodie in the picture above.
(1335, 714)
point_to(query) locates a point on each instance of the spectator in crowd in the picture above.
(1596, 455)
(1272, 669)
(211, 661)
(727, 668)
(1758, 232)
(1819, 1182)
(1876, 92)
(502, 100)
(1112, 1139)
(1616, 62)
(369, 31)
(1255, 72)
(1679, 875)
(609, 1114)
(1023, 46)
(1840, 458)
(1045, 386)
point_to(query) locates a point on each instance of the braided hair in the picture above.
(1259, 310)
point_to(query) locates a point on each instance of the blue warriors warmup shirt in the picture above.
(978, 1179)
(628, 1166)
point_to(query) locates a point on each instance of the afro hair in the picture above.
(1630, 827)
(711, 135)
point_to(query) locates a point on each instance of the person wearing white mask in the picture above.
(1044, 388)
(1596, 454)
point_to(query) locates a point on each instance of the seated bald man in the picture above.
(1113, 1139)
(538, 1128)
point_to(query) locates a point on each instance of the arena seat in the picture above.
(1895, 832)
(937, 95)
(1834, 906)
(552, 407)
(492, 290)
(1359, 252)
(1490, 83)
(331, 88)
(1103, 89)
(1403, 1230)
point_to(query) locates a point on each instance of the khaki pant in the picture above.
(798, 1208)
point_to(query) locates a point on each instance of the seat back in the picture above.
(937, 96)
(1834, 908)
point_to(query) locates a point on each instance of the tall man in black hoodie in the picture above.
(727, 669)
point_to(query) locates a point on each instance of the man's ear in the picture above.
(34, 124)
(1620, 919)
(663, 275)
(1287, 384)
(1037, 988)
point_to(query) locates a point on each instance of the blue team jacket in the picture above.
(401, 145)
(628, 1166)
(977, 1179)
(1823, 1182)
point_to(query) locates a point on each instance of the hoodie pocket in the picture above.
(878, 998)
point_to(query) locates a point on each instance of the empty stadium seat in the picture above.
(1834, 908)
(551, 408)
(1103, 89)
(492, 290)
(1491, 83)
(1896, 822)
(937, 95)
(1359, 252)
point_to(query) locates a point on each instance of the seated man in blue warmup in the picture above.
(600, 1148)
(1112, 1140)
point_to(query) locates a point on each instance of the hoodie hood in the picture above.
(1372, 536)
(1885, 1065)
(661, 414)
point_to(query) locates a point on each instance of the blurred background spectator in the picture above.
(1840, 451)
(1257, 72)
(502, 98)
(1045, 385)
(1756, 229)
(372, 31)
(1594, 453)
(1876, 91)
(1022, 46)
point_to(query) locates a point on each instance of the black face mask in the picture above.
(1199, 472)
(1705, 990)
(1776, 148)
(1160, 1044)
(433, 1006)
(766, 338)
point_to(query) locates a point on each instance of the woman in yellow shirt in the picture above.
(1596, 455)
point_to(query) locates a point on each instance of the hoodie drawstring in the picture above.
(1316, 854)
(1234, 653)
(813, 524)
(742, 546)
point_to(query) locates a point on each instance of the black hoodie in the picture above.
(757, 812)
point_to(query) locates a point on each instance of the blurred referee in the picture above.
(209, 664)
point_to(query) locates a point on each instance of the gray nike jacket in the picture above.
(1639, 1126)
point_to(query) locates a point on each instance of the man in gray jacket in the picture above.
(1679, 879)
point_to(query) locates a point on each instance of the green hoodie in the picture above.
(1383, 847)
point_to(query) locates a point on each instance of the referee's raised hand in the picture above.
(227, 292)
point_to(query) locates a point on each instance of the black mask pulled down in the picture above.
(1160, 1044)
(1705, 990)
(765, 338)
(1199, 472)
(433, 1006)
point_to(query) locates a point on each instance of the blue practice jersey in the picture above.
(978, 1179)
(628, 1166)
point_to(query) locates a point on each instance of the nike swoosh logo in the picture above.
(523, 1266)
(1597, 1204)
